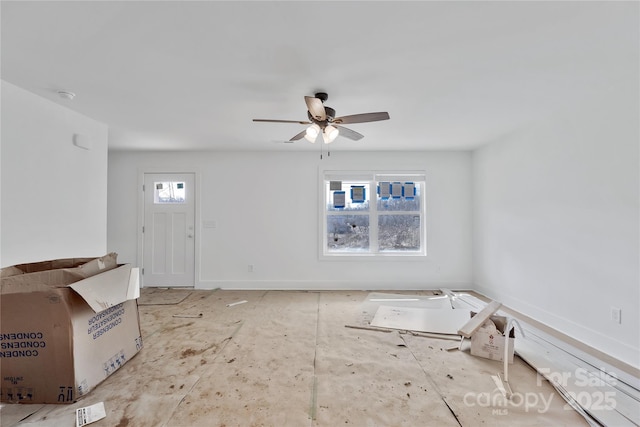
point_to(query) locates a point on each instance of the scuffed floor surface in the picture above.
(285, 358)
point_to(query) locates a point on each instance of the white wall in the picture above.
(54, 202)
(265, 205)
(556, 223)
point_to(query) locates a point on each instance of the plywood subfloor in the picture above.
(163, 296)
(286, 359)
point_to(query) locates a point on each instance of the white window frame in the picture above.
(373, 177)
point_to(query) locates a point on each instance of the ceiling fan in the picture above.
(323, 120)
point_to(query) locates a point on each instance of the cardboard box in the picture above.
(489, 340)
(66, 325)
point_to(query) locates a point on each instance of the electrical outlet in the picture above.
(250, 268)
(616, 314)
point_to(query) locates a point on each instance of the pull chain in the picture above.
(328, 152)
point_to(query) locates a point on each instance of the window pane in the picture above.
(347, 233)
(169, 192)
(347, 195)
(407, 202)
(398, 233)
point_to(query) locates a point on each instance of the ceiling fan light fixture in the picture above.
(312, 133)
(330, 134)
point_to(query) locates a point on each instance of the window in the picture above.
(169, 192)
(373, 214)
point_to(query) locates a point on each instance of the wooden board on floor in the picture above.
(478, 320)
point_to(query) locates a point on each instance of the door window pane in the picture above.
(169, 192)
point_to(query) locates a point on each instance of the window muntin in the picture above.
(373, 214)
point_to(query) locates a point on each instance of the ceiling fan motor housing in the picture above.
(322, 96)
(330, 112)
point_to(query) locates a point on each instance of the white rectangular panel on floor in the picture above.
(420, 319)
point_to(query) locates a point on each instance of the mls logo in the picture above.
(499, 411)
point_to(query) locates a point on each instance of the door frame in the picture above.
(196, 207)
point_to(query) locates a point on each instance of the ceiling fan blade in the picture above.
(362, 118)
(348, 133)
(298, 136)
(316, 108)
(282, 121)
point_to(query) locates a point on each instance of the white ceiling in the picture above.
(191, 75)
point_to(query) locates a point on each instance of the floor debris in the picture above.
(451, 347)
(90, 414)
(188, 316)
(236, 303)
(478, 320)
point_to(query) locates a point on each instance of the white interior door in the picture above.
(168, 229)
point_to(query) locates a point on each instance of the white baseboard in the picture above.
(324, 285)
